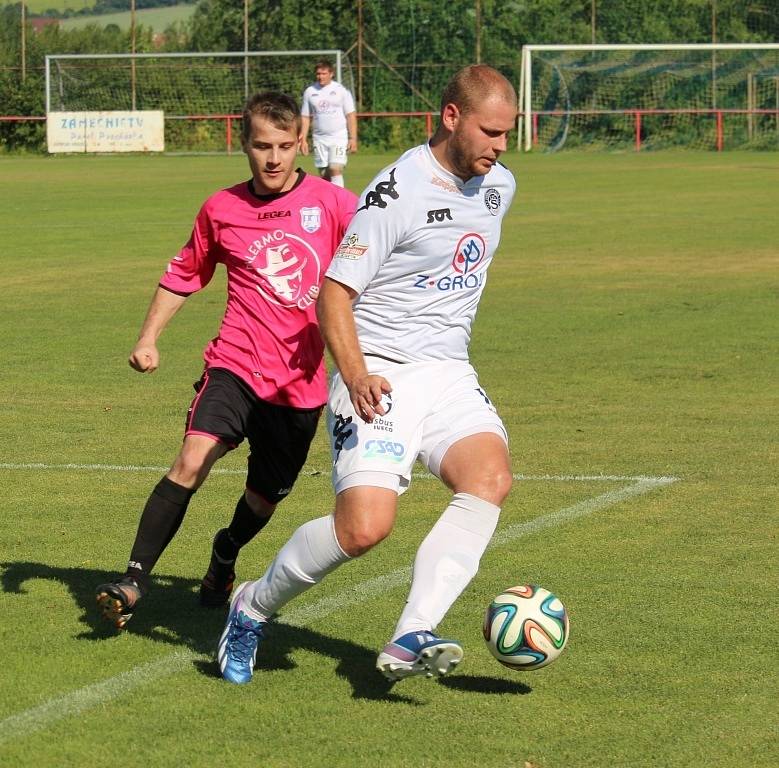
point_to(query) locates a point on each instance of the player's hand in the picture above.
(303, 147)
(351, 147)
(366, 394)
(144, 358)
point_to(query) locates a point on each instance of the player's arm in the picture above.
(305, 124)
(351, 127)
(336, 321)
(188, 272)
(145, 357)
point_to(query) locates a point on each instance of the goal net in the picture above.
(711, 96)
(196, 91)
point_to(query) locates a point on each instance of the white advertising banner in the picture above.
(105, 131)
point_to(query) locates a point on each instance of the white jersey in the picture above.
(417, 253)
(328, 107)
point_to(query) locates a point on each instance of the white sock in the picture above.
(308, 556)
(337, 180)
(446, 561)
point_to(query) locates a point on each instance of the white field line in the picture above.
(311, 472)
(69, 704)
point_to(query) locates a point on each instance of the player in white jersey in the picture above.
(396, 310)
(330, 107)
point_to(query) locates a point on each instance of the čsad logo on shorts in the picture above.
(384, 449)
(469, 253)
(492, 200)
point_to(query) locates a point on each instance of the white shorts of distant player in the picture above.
(327, 153)
(432, 405)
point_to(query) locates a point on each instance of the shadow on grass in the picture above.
(355, 663)
(481, 684)
(171, 614)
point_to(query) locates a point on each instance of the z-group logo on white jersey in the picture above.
(468, 256)
(469, 253)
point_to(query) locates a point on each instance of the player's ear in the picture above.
(450, 115)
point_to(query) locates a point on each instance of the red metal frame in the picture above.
(229, 121)
(719, 115)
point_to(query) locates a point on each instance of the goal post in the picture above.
(610, 96)
(183, 86)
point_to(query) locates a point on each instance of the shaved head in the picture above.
(475, 84)
(478, 110)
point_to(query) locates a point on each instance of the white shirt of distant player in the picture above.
(417, 253)
(328, 106)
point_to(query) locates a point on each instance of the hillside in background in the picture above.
(36, 7)
(158, 19)
(69, 8)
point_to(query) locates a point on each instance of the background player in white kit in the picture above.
(330, 107)
(396, 310)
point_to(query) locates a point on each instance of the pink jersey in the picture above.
(276, 250)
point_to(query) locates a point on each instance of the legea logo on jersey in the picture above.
(384, 449)
(289, 269)
(468, 257)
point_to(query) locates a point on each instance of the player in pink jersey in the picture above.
(264, 376)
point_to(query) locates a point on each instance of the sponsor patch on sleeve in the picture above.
(350, 248)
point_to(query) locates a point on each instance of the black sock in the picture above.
(244, 527)
(159, 522)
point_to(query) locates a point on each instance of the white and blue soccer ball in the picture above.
(526, 627)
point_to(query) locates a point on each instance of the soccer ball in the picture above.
(526, 627)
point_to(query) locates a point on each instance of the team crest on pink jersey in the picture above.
(311, 219)
(288, 267)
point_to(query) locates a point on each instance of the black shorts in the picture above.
(226, 409)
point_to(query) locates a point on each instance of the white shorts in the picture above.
(432, 405)
(329, 152)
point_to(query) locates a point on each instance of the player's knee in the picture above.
(257, 504)
(357, 543)
(503, 482)
(189, 471)
(356, 537)
(191, 468)
(493, 486)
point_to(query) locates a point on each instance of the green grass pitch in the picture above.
(628, 330)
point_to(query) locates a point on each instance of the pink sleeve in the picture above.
(347, 208)
(194, 266)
